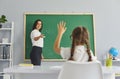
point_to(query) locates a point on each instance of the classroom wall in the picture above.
(106, 18)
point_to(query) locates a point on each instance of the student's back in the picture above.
(80, 49)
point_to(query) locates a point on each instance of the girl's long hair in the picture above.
(80, 36)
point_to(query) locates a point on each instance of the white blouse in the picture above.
(39, 42)
(80, 53)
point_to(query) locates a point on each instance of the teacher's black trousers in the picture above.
(35, 55)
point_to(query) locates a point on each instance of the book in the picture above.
(26, 66)
(4, 52)
(1, 52)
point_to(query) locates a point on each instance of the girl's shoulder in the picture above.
(65, 48)
(65, 52)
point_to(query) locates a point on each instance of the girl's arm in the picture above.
(61, 30)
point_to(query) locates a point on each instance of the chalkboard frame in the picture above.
(65, 14)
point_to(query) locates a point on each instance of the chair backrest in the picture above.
(81, 70)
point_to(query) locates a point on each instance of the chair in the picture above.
(81, 70)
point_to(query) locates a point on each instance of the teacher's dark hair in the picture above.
(35, 24)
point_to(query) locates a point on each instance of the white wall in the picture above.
(106, 13)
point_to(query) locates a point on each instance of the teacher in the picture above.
(37, 43)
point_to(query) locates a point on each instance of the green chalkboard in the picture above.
(50, 21)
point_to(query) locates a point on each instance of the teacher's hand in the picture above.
(42, 36)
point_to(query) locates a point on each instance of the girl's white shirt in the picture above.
(80, 53)
(40, 41)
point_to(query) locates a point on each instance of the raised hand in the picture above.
(61, 27)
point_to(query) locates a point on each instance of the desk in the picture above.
(37, 72)
(51, 72)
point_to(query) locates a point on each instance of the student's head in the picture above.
(80, 36)
(38, 25)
